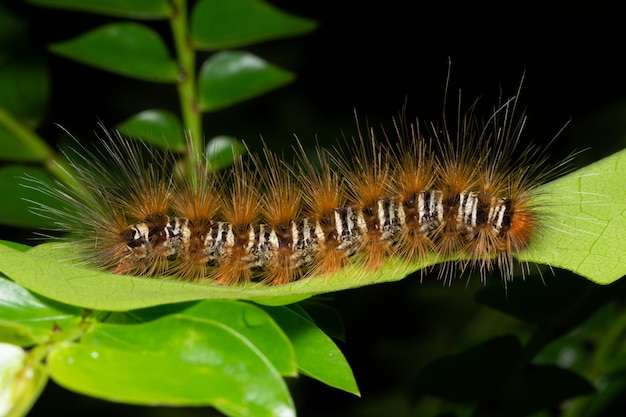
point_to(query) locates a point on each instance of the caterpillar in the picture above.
(459, 194)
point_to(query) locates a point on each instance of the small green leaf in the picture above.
(129, 49)
(175, 360)
(255, 325)
(158, 127)
(27, 319)
(230, 77)
(15, 209)
(21, 382)
(137, 9)
(316, 354)
(219, 24)
(222, 150)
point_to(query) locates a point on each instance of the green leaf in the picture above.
(128, 49)
(222, 150)
(52, 270)
(219, 24)
(21, 382)
(585, 222)
(27, 319)
(230, 77)
(157, 127)
(175, 360)
(316, 354)
(138, 9)
(15, 209)
(59, 276)
(255, 325)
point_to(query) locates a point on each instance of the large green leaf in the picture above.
(591, 246)
(230, 77)
(190, 361)
(138, 9)
(27, 319)
(49, 270)
(129, 49)
(255, 325)
(217, 24)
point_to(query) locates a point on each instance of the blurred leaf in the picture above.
(24, 83)
(15, 209)
(129, 49)
(189, 361)
(474, 374)
(229, 77)
(138, 9)
(255, 325)
(545, 386)
(221, 151)
(20, 381)
(316, 354)
(12, 27)
(609, 397)
(561, 302)
(12, 148)
(27, 319)
(158, 127)
(217, 24)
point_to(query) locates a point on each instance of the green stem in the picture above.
(37, 148)
(185, 53)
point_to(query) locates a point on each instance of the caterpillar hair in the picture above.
(458, 195)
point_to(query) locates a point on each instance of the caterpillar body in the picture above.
(459, 196)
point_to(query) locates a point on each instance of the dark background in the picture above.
(371, 57)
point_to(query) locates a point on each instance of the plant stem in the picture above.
(185, 53)
(37, 148)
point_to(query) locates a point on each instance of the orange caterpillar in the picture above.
(460, 197)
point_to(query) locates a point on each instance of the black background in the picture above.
(370, 57)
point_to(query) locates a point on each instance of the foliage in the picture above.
(154, 342)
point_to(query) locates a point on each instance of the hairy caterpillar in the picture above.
(455, 194)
